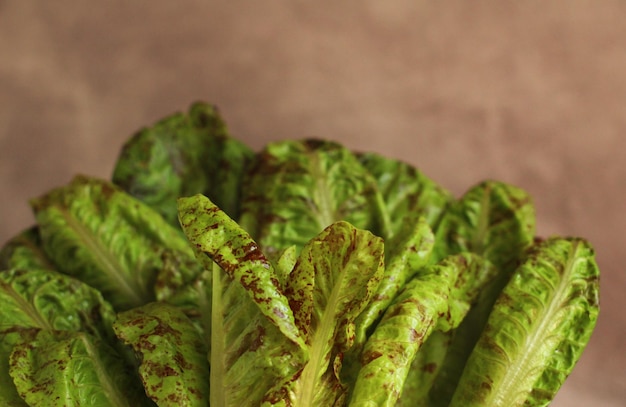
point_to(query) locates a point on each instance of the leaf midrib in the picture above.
(530, 353)
(109, 264)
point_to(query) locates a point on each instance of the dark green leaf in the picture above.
(25, 252)
(182, 155)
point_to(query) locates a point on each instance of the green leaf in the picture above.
(336, 275)
(45, 300)
(24, 252)
(62, 368)
(254, 337)
(39, 299)
(537, 330)
(492, 219)
(438, 299)
(295, 189)
(406, 192)
(174, 366)
(97, 233)
(408, 251)
(183, 155)
(497, 221)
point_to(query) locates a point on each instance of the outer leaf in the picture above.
(494, 220)
(405, 192)
(537, 330)
(295, 189)
(24, 252)
(38, 300)
(183, 155)
(336, 275)
(254, 338)
(438, 299)
(61, 368)
(174, 365)
(95, 232)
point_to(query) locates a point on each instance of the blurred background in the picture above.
(531, 93)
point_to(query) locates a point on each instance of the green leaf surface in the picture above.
(62, 368)
(497, 221)
(336, 275)
(183, 155)
(174, 366)
(439, 298)
(97, 233)
(537, 330)
(492, 219)
(254, 338)
(406, 192)
(407, 252)
(25, 252)
(40, 300)
(295, 189)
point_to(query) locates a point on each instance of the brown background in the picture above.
(532, 93)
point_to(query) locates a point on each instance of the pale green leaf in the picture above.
(537, 330)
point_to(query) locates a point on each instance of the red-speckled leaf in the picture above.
(336, 275)
(174, 366)
(438, 298)
(64, 368)
(296, 188)
(254, 340)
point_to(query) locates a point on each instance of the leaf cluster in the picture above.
(305, 274)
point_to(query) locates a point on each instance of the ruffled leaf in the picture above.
(336, 275)
(537, 330)
(62, 368)
(183, 155)
(174, 366)
(295, 189)
(254, 337)
(97, 233)
(438, 299)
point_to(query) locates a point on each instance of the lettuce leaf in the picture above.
(37, 300)
(336, 275)
(295, 189)
(406, 192)
(64, 368)
(97, 233)
(438, 298)
(174, 364)
(25, 252)
(254, 339)
(537, 329)
(183, 155)
(497, 221)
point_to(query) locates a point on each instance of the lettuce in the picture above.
(305, 274)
